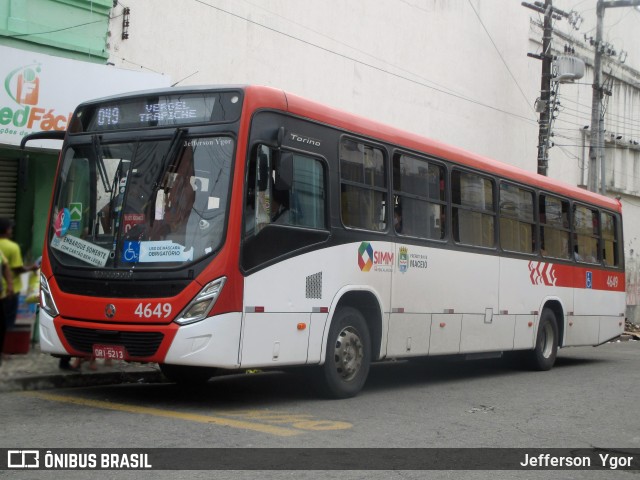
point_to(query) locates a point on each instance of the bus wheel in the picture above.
(348, 356)
(543, 356)
(187, 374)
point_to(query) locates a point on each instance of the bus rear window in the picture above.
(610, 244)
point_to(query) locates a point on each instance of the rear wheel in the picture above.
(543, 356)
(348, 356)
(187, 374)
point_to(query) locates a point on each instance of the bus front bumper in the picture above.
(214, 341)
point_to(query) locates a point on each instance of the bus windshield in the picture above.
(141, 203)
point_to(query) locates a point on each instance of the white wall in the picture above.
(390, 60)
(428, 66)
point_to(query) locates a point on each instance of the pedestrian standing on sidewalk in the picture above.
(11, 251)
(6, 289)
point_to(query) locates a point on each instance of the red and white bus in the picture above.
(243, 227)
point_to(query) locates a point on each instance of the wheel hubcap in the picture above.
(349, 353)
(547, 340)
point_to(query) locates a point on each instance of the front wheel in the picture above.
(543, 356)
(348, 356)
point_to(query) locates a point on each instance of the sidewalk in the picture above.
(39, 371)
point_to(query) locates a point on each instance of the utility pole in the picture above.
(596, 144)
(597, 121)
(544, 105)
(545, 92)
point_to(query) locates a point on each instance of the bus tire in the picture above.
(187, 374)
(348, 356)
(543, 356)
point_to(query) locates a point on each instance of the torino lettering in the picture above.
(300, 139)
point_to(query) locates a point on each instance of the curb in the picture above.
(626, 336)
(70, 380)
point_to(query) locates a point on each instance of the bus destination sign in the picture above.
(158, 111)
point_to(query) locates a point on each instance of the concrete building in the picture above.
(454, 70)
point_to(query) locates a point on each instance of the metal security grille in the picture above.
(138, 344)
(8, 187)
(314, 285)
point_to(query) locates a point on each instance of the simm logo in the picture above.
(369, 258)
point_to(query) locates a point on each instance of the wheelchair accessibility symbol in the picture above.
(131, 252)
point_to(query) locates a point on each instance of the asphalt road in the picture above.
(590, 399)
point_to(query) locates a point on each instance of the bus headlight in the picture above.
(46, 299)
(202, 304)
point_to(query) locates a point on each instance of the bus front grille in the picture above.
(137, 344)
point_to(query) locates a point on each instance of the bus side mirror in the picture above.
(23, 173)
(284, 170)
(262, 172)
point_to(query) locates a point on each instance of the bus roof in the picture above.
(261, 97)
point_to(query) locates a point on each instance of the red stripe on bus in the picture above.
(571, 276)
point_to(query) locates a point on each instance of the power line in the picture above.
(368, 54)
(352, 59)
(622, 118)
(55, 31)
(500, 55)
(124, 60)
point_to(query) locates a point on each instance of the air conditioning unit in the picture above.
(568, 68)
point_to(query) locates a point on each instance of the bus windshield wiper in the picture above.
(175, 146)
(172, 151)
(102, 170)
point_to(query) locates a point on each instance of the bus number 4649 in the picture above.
(612, 281)
(159, 310)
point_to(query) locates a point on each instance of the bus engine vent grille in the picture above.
(314, 285)
(137, 344)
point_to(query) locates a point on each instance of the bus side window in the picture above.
(418, 188)
(517, 222)
(610, 244)
(363, 186)
(473, 209)
(586, 232)
(554, 227)
(284, 188)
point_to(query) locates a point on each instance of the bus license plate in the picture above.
(111, 352)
